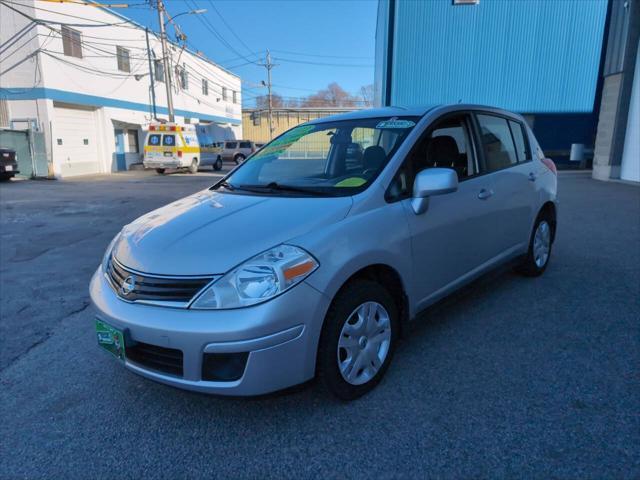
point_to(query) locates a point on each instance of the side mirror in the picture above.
(432, 181)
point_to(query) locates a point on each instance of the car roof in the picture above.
(414, 111)
(417, 111)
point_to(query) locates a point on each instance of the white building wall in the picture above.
(37, 78)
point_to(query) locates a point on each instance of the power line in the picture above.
(231, 29)
(322, 56)
(306, 62)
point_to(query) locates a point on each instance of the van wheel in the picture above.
(537, 258)
(239, 158)
(218, 164)
(160, 171)
(193, 168)
(358, 339)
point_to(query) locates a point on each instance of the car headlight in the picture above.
(107, 253)
(259, 279)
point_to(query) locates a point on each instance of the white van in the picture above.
(177, 146)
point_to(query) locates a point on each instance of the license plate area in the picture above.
(111, 339)
(9, 168)
(168, 154)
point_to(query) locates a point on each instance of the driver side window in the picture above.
(447, 144)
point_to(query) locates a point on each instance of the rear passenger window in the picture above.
(168, 140)
(245, 144)
(522, 147)
(497, 143)
(154, 139)
(231, 144)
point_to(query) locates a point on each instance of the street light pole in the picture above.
(165, 60)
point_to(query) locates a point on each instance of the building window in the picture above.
(123, 59)
(71, 42)
(224, 94)
(158, 68)
(132, 141)
(184, 78)
(205, 87)
(235, 97)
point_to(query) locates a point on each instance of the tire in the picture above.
(160, 171)
(217, 164)
(342, 345)
(239, 158)
(5, 177)
(540, 245)
(193, 168)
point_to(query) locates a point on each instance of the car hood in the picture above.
(209, 232)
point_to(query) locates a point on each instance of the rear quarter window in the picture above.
(520, 140)
(231, 145)
(245, 144)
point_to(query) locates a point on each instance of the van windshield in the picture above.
(333, 158)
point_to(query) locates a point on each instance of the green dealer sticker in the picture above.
(110, 338)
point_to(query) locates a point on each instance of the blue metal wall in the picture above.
(530, 56)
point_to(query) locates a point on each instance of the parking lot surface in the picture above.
(513, 377)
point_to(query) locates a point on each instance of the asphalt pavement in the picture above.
(511, 378)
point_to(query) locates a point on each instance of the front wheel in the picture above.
(537, 258)
(239, 158)
(193, 168)
(358, 339)
(218, 164)
(160, 171)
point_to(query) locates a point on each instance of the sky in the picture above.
(314, 42)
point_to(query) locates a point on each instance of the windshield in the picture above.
(332, 158)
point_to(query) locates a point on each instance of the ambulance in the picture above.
(169, 145)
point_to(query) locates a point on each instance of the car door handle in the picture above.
(532, 177)
(485, 193)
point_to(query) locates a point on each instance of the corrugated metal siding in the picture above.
(522, 55)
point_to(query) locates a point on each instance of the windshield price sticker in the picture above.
(395, 123)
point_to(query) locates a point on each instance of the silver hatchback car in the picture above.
(324, 250)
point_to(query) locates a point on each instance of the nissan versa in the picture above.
(309, 258)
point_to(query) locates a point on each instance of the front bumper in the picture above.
(281, 337)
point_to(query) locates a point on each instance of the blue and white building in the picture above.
(542, 58)
(81, 75)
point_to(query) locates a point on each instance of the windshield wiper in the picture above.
(226, 185)
(277, 187)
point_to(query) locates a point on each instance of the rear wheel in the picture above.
(358, 339)
(239, 158)
(217, 164)
(193, 168)
(160, 171)
(535, 263)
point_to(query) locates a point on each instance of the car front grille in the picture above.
(166, 360)
(134, 286)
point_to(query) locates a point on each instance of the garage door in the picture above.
(75, 142)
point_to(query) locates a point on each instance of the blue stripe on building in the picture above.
(95, 101)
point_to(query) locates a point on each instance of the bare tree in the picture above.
(333, 96)
(366, 92)
(262, 101)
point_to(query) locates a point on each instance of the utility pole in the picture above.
(151, 77)
(165, 60)
(268, 65)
